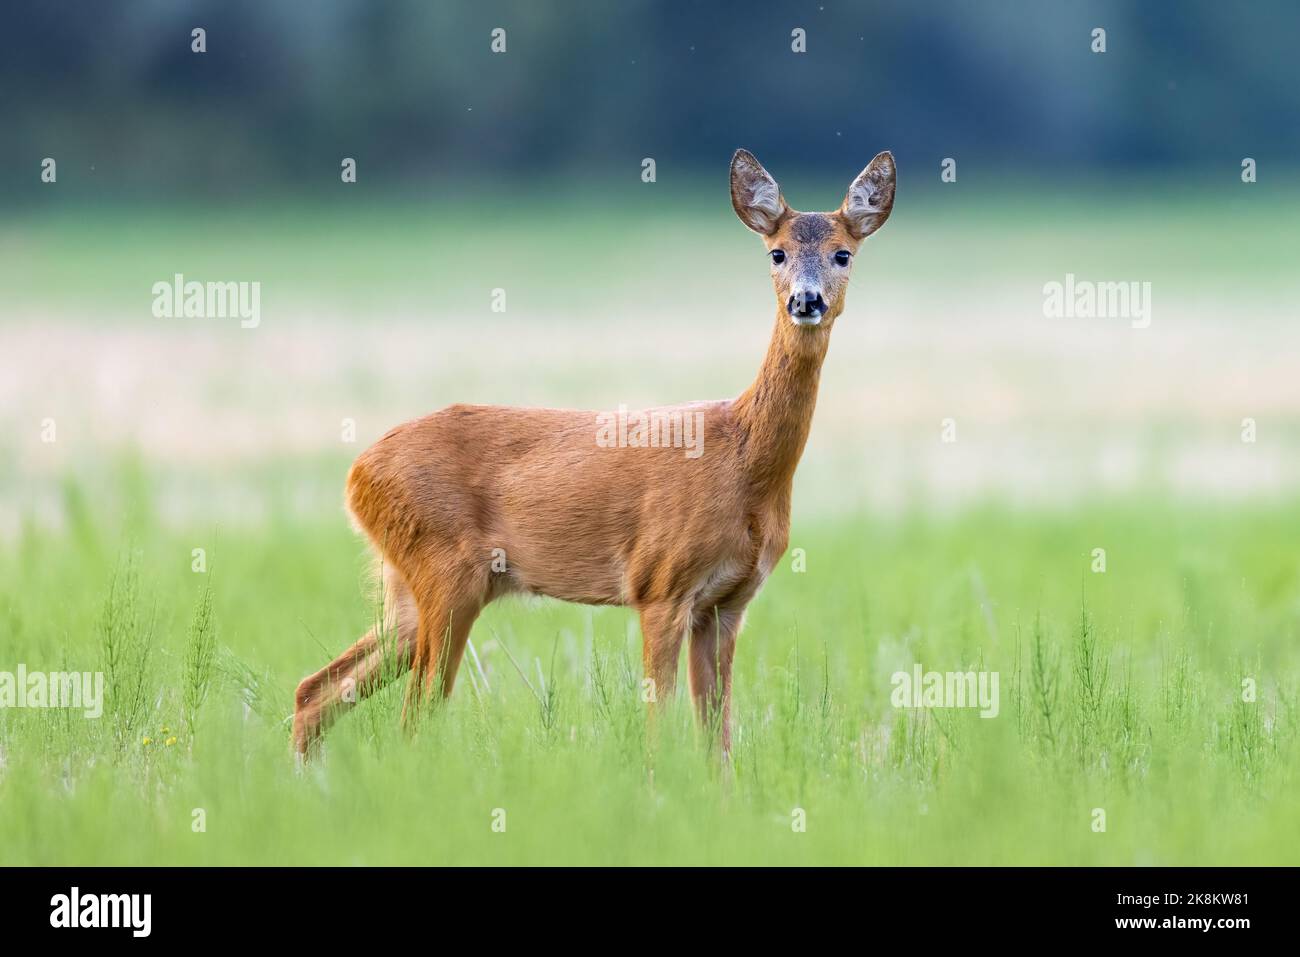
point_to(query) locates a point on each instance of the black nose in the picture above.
(806, 304)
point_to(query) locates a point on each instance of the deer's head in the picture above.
(811, 253)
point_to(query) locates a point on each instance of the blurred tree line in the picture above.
(413, 90)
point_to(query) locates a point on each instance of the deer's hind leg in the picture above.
(381, 655)
(449, 593)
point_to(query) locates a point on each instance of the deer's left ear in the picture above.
(870, 198)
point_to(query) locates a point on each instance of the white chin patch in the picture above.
(814, 320)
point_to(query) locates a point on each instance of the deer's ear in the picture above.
(870, 197)
(754, 194)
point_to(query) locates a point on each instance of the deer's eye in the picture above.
(778, 256)
(842, 257)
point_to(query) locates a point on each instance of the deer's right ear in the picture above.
(754, 194)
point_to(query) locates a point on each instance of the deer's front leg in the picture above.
(713, 647)
(663, 627)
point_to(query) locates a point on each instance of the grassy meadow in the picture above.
(1119, 690)
(1123, 689)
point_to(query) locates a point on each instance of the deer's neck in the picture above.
(775, 413)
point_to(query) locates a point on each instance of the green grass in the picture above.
(1120, 690)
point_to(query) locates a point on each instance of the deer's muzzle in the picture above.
(806, 307)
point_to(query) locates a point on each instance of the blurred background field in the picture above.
(522, 172)
(383, 312)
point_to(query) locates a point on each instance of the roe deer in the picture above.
(686, 540)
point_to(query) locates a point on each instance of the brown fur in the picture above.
(687, 542)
